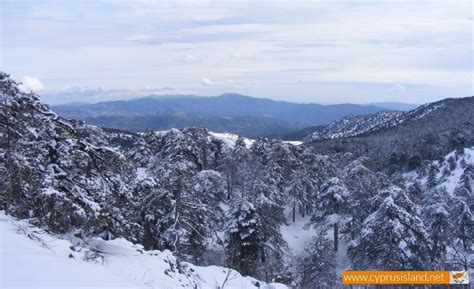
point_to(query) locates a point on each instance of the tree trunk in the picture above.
(204, 156)
(294, 212)
(336, 236)
(177, 216)
(229, 186)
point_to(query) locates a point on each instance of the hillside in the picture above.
(450, 174)
(408, 139)
(353, 125)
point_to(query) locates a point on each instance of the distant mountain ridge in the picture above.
(225, 105)
(395, 105)
(229, 112)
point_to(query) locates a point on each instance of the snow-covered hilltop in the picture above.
(353, 125)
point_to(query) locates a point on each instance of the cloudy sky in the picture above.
(304, 51)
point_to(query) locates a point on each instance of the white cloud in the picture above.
(226, 29)
(207, 82)
(31, 83)
(139, 37)
(399, 88)
(190, 59)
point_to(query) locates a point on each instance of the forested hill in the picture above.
(271, 210)
(353, 125)
(411, 138)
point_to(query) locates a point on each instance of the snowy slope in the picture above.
(449, 170)
(33, 258)
(31, 263)
(353, 125)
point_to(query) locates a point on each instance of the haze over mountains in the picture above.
(230, 112)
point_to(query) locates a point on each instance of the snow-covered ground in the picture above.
(298, 234)
(293, 142)
(30, 257)
(141, 173)
(230, 139)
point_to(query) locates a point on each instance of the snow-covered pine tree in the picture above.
(316, 170)
(218, 153)
(298, 184)
(206, 193)
(64, 174)
(299, 192)
(316, 268)
(464, 222)
(98, 175)
(202, 145)
(432, 179)
(265, 190)
(415, 192)
(286, 156)
(154, 213)
(393, 236)
(173, 167)
(191, 193)
(332, 207)
(437, 218)
(464, 187)
(24, 130)
(239, 163)
(144, 148)
(463, 206)
(245, 243)
(363, 184)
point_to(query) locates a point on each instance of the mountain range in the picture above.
(228, 112)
